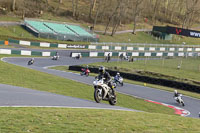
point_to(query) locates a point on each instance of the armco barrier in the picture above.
(151, 80)
(137, 54)
(114, 47)
(147, 47)
(26, 52)
(45, 44)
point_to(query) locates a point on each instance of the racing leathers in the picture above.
(107, 80)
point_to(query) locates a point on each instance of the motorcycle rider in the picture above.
(116, 78)
(32, 60)
(106, 75)
(56, 54)
(108, 57)
(86, 69)
(176, 94)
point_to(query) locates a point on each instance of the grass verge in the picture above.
(91, 121)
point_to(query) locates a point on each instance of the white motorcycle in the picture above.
(103, 92)
(55, 57)
(119, 81)
(179, 100)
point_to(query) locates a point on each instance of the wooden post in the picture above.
(199, 68)
(163, 62)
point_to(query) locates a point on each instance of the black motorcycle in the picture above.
(30, 62)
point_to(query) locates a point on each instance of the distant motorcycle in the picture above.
(127, 57)
(103, 92)
(179, 100)
(85, 72)
(55, 57)
(119, 81)
(78, 57)
(30, 62)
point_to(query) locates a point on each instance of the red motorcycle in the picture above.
(85, 72)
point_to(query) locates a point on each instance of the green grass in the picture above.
(19, 76)
(164, 68)
(56, 120)
(140, 37)
(192, 94)
(10, 18)
(14, 31)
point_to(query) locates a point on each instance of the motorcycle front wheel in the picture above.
(97, 95)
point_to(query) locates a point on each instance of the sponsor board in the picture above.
(75, 46)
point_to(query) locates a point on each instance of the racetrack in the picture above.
(41, 64)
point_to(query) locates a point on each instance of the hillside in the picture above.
(115, 14)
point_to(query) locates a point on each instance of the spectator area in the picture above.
(48, 27)
(59, 31)
(39, 26)
(78, 30)
(59, 28)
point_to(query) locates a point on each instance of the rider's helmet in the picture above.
(175, 91)
(118, 74)
(87, 66)
(102, 69)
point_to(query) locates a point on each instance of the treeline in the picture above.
(111, 13)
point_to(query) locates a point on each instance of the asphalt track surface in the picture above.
(42, 64)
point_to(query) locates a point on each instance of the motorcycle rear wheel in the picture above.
(113, 100)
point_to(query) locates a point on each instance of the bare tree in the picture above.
(75, 8)
(112, 15)
(91, 8)
(155, 10)
(97, 12)
(192, 9)
(136, 10)
(13, 5)
(120, 15)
